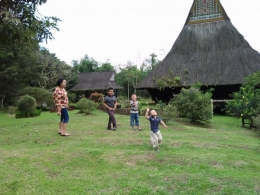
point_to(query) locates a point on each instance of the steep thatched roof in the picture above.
(209, 50)
(96, 81)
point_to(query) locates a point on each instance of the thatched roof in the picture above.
(208, 50)
(96, 81)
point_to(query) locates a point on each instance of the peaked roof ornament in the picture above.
(203, 11)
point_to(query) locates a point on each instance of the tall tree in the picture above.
(86, 64)
(21, 30)
(107, 66)
(20, 23)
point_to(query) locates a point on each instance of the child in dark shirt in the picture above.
(155, 133)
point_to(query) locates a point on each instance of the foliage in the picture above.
(26, 104)
(169, 113)
(170, 81)
(245, 102)
(22, 28)
(166, 112)
(11, 109)
(72, 97)
(121, 98)
(150, 63)
(128, 77)
(42, 96)
(27, 107)
(49, 68)
(72, 106)
(97, 97)
(105, 67)
(27, 114)
(19, 22)
(256, 122)
(86, 64)
(86, 106)
(194, 104)
(160, 105)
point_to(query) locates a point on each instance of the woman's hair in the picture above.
(59, 81)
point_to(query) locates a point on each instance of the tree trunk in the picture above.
(128, 89)
(2, 98)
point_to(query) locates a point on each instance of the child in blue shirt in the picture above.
(155, 133)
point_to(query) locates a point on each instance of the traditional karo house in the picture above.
(96, 81)
(209, 50)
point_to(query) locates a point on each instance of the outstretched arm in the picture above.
(163, 124)
(146, 114)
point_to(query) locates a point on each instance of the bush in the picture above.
(11, 109)
(244, 105)
(256, 122)
(97, 97)
(72, 97)
(42, 96)
(169, 112)
(86, 106)
(72, 106)
(26, 104)
(194, 104)
(121, 98)
(27, 107)
(27, 114)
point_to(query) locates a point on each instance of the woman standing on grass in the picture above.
(61, 102)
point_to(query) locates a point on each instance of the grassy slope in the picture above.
(222, 158)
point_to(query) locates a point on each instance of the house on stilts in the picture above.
(209, 50)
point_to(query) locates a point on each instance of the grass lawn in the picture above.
(221, 158)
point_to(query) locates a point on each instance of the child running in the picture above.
(134, 116)
(155, 134)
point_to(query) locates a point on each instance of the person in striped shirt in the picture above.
(134, 116)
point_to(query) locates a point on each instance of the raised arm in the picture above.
(146, 113)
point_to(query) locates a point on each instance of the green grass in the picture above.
(220, 158)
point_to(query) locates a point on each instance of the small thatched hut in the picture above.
(94, 81)
(209, 50)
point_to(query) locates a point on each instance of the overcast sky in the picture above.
(130, 30)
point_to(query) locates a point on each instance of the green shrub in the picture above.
(42, 96)
(27, 107)
(194, 104)
(97, 97)
(121, 98)
(72, 106)
(27, 114)
(26, 104)
(244, 105)
(11, 109)
(86, 106)
(256, 122)
(72, 97)
(169, 113)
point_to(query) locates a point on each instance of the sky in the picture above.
(119, 31)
